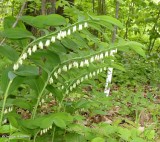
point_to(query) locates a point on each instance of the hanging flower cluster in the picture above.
(7, 110)
(41, 45)
(84, 78)
(43, 100)
(45, 130)
(78, 64)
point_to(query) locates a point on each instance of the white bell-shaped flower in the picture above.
(50, 80)
(20, 61)
(70, 66)
(53, 39)
(86, 62)
(91, 59)
(86, 76)
(74, 85)
(40, 45)
(85, 24)
(80, 27)
(69, 32)
(71, 88)
(42, 101)
(75, 64)
(29, 51)
(15, 67)
(90, 75)
(78, 82)
(94, 73)
(106, 54)
(82, 79)
(81, 64)
(24, 56)
(47, 43)
(64, 68)
(59, 36)
(74, 29)
(101, 56)
(59, 71)
(34, 49)
(67, 92)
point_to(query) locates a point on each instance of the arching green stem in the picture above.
(4, 101)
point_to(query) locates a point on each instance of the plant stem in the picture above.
(54, 129)
(39, 97)
(4, 101)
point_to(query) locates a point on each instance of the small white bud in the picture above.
(101, 56)
(59, 36)
(101, 70)
(82, 79)
(24, 56)
(20, 61)
(50, 127)
(64, 33)
(56, 75)
(50, 80)
(81, 64)
(5, 111)
(94, 73)
(34, 49)
(80, 27)
(15, 67)
(42, 101)
(74, 29)
(86, 77)
(98, 71)
(41, 132)
(74, 85)
(67, 92)
(69, 32)
(53, 39)
(106, 54)
(71, 88)
(50, 95)
(29, 51)
(96, 57)
(78, 82)
(47, 43)
(85, 24)
(64, 68)
(90, 75)
(62, 87)
(86, 62)
(59, 71)
(75, 64)
(69, 66)
(92, 59)
(10, 109)
(40, 45)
